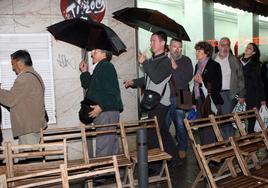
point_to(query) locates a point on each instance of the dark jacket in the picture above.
(253, 84)
(211, 76)
(103, 87)
(264, 75)
(158, 70)
(182, 75)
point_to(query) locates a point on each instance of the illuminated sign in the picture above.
(86, 9)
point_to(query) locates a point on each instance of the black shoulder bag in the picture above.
(183, 97)
(151, 98)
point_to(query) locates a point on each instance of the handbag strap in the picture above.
(164, 89)
(37, 79)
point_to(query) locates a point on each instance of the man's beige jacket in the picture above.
(26, 102)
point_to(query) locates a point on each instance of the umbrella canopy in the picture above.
(88, 35)
(151, 20)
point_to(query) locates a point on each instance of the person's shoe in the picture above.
(182, 154)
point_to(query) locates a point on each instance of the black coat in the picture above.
(211, 76)
(264, 75)
(253, 84)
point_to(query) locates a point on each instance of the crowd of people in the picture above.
(226, 78)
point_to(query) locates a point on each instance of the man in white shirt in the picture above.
(233, 87)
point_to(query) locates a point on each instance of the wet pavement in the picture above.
(183, 175)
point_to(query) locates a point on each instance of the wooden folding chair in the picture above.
(61, 176)
(72, 135)
(3, 181)
(123, 159)
(240, 180)
(155, 154)
(96, 169)
(3, 168)
(25, 159)
(81, 134)
(238, 146)
(211, 150)
(243, 117)
(233, 120)
(259, 139)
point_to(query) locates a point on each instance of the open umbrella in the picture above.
(151, 20)
(88, 35)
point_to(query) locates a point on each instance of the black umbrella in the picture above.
(151, 20)
(88, 35)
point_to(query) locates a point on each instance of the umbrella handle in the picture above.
(85, 54)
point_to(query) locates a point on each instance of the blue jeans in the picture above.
(177, 116)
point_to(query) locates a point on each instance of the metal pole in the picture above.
(142, 157)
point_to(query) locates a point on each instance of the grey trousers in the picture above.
(227, 130)
(107, 144)
(31, 138)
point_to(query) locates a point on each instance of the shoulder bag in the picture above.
(183, 97)
(151, 98)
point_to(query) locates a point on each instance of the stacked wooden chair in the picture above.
(81, 134)
(240, 180)
(61, 176)
(193, 126)
(124, 161)
(154, 154)
(255, 142)
(229, 174)
(73, 135)
(26, 159)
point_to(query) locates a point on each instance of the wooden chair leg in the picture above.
(222, 169)
(90, 184)
(3, 181)
(231, 166)
(197, 179)
(255, 160)
(64, 176)
(117, 174)
(167, 174)
(130, 177)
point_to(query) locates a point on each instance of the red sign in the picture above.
(86, 9)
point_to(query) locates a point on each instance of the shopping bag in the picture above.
(264, 116)
(192, 115)
(208, 106)
(240, 108)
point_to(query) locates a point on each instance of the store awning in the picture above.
(254, 6)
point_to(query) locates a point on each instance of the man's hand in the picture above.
(198, 78)
(83, 67)
(141, 58)
(173, 63)
(95, 112)
(128, 83)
